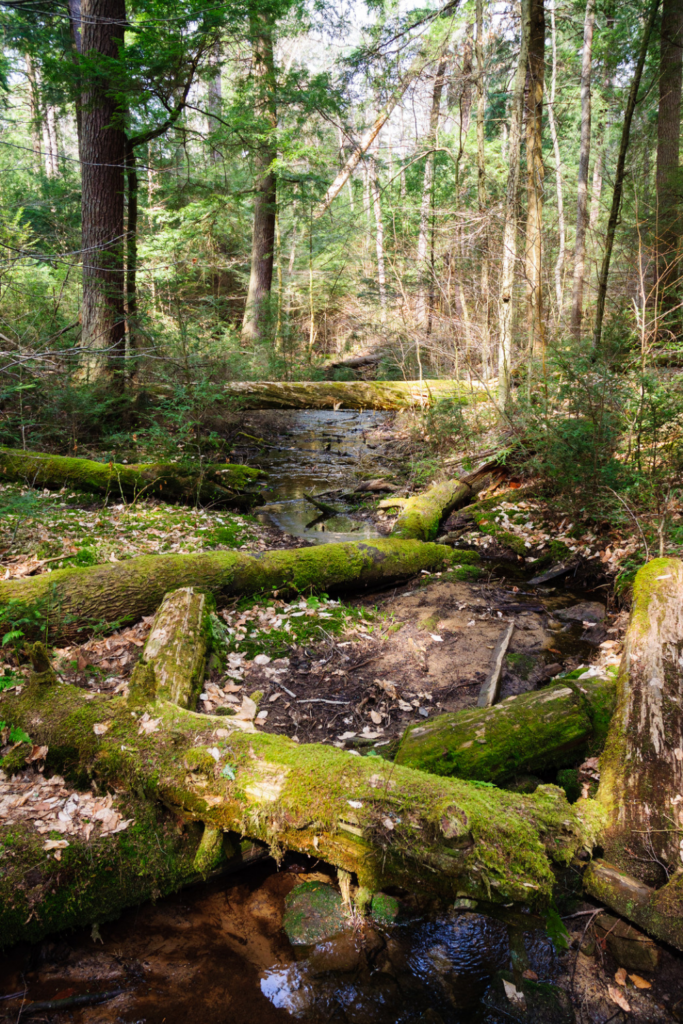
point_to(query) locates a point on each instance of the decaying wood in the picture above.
(641, 769)
(351, 394)
(385, 823)
(222, 483)
(547, 728)
(422, 514)
(174, 656)
(71, 601)
(657, 911)
(488, 695)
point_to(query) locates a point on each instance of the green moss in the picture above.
(568, 780)
(422, 514)
(521, 664)
(384, 909)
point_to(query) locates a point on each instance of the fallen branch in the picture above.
(422, 514)
(488, 694)
(70, 602)
(222, 483)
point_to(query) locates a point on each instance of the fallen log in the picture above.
(354, 394)
(218, 483)
(641, 769)
(69, 602)
(422, 514)
(548, 728)
(387, 824)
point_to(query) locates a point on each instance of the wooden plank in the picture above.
(488, 694)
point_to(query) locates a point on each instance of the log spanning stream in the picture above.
(233, 950)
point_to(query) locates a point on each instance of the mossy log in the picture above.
(216, 483)
(641, 769)
(354, 394)
(421, 516)
(548, 728)
(174, 656)
(387, 824)
(72, 601)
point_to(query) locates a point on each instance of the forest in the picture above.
(341, 511)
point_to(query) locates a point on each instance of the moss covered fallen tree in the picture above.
(390, 395)
(70, 602)
(421, 515)
(217, 483)
(548, 728)
(386, 824)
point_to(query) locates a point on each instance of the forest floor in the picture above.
(354, 673)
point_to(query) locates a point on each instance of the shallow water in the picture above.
(319, 451)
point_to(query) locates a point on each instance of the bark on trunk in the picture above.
(131, 251)
(174, 656)
(619, 176)
(481, 186)
(265, 186)
(102, 168)
(509, 259)
(68, 601)
(559, 265)
(548, 728)
(350, 394)
(535, 174)
(422, 514)
(36, 120)
(379, 240)
(218, 482)
(424, 278)
(668, 141)
(584, 161)
(387, 824)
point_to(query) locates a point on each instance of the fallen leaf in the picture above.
(262, 659)
(388, 823)
(514, 996)
(640, 982)
(55, 844)
(436, 638)
(247, 712)
(37, 753)
(229, 688)
(376, 717)
(274, 696)
(619, 998)
(148, 725)
(529, 974)
(101, 727)
(620, 976)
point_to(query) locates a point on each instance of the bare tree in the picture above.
(34, 105)
(379, 239)
(424, 276)
(535, 175)
(481, 179)
(668, 142)
(559, 265)
(509, 257)
(584, 161)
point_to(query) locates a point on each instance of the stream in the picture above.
(218, 952)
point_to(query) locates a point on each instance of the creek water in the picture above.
(218, 952)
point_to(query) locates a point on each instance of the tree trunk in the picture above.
(619, 176)
(256, 312)
(51, 148)
(387, 824)
(481, 185)
(668, 141)
(132, 254)
(174, 656)
(559, 265)
(509, 258)
(379, 239)
(547, 728)
(215, 100)
(221, 482)
(102, 169)
(36, 120)
(68, 601)
(360, 394)
(535, 174)
(422, 514)
(584, 161)
(423, 276)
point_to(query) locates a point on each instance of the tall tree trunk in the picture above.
(76, 50)
(265, 185)
(131, 252)
(481, 184)
(215, 99)
(36, 121)
(103, 152)
(426, 202)
(379, 240)
(51, 155)
(584, 161)
(668, 141)
(559, 265)
(509, 259)
(535, 174)
(619, 176)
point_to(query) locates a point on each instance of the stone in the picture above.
(585, 611)
(314, 912)
(629, 947)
